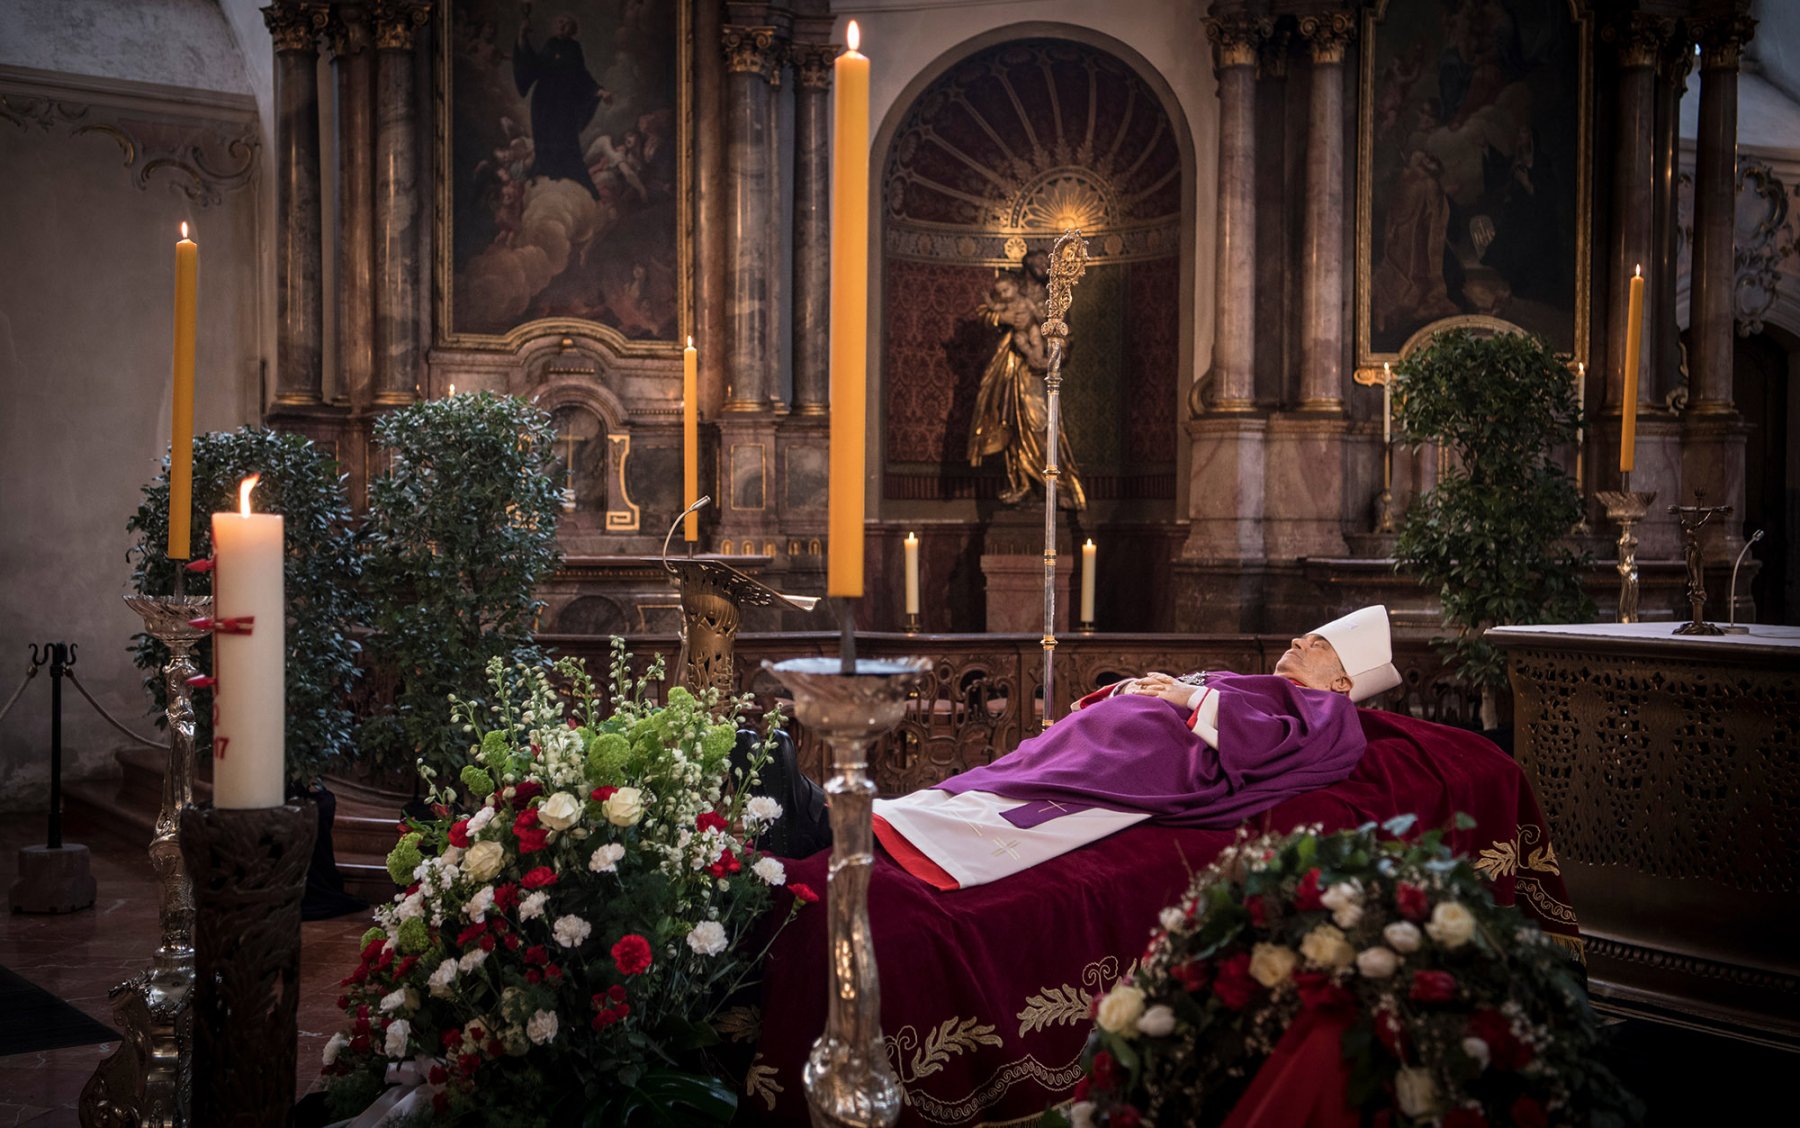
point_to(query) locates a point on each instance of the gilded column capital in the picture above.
(1327, 35)
(347, 30)
(751, 50)
(1640, 38)
(812, 64)
(294, 27)
(1235, 37)
(397, 23)
(1722, 40)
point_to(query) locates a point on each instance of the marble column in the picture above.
(751, 56)
(712, 244)
(399, 207)
(1235, 37)
(1327, 35)
(299, 274)
(1715, 212)
(1664, 347)
(812, 225)
(1274, 201)
(1633, 202)
(353, 58)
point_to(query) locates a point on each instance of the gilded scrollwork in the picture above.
(1723, 39)
(397, 23)
(1640, 37)
(752, 50)
(812, 63)
(1236, 37)
(1328, 35)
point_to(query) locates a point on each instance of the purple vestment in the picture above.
(1137, 753)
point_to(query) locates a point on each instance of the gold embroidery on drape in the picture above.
(760, 1082)
(1502, 859)
(953, 1036)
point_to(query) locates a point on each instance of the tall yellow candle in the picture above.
(690, 440)
(249, 657)
(1387, 404)
(911, 547)
(1088, 554)
(181, 422)
(849, 315)
(1634, 333)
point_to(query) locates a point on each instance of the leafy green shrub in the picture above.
(1491, 536)
(461, 528)
(300, 482)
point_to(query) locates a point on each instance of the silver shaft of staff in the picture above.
(1052, 471)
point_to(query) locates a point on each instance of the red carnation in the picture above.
(360, 1043)
(1258, 909)
(710, 820)
(1432, 987)
(451, 1037)
(602, 794)
(631, 954)
(1464, 1118)
(1412, 901)
(616, 993)
(1125, 1117)
(1193, 974)
(404, 966)
(512, 941)
(1390, 1033)
(533, 975)
(552, 972)
(532, 840)
(487, 941)
(1082, 1088)
(1233, 984)
(506, 896)
(1306, 894)
(1527, 1113)
(343, 1002)
(470, 933)
(1317, 990)
(440, 1101)
(468, 1064)
(537, 954)
(803, 892)
(538, 878)
(1504, 1050)
(525, 819)
(1103, 1071)
(459, 834)
(525, 792)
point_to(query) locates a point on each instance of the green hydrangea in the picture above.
(478, 781)
(680, 699)
(717, 744)
(414, 937)
(606, 758)
(371, 936)
(404, 858)
(496, 750)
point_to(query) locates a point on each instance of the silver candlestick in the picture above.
(148, 1079)
(849, 1083)
(1627, 507)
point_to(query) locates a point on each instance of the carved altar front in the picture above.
(1669, 770)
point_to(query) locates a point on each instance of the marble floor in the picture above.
(79, 956)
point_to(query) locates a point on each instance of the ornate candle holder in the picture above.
(249, 874)
(912, 622)
(849, 1083)
(1693, 518)
(148, 1079)
(1627, 507)
(1086, 626)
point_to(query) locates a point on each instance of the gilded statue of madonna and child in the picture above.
(1011, 409)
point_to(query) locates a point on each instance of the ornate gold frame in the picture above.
(443, 268)
(1369, 362)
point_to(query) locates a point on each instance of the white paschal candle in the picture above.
(249, 656)
(911, 546)
(1088, 552)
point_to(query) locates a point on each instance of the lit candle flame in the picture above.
(1639, 272)
(853, 36)
(184, 229)
(1089, 544)
(690, 343)
(453, 389)
(244, 489)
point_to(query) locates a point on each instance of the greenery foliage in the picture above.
(1491, 536)
(461, 528)
(302, 483)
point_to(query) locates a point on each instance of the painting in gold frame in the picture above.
(1473, 170)
(563, 173)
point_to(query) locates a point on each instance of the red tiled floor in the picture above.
(80, 956)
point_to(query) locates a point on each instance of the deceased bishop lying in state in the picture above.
(1206, 750)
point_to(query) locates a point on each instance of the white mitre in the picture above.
(1365, 646)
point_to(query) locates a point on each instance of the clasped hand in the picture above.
(1163, 686)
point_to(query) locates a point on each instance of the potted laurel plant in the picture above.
(1491, 538)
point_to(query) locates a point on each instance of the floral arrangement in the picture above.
(1445, 1009)
(573, 918)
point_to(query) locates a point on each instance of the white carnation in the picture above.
(442, 978)
(480, 903)
(471, 959)
(541, 1027)
(1170, 918)
(398, 1032)
(770, 870)
(480, 819)
(1377, 962)
(393, 1000)
(761, 810)
(1402, 936)
(1477, 1051)
(606, 858)
(334, 1047)
(412, 906)
(707, 938)
(1157, 1022)
(532, 907)
(1344, 899)
(1081, 1114)
(571, 930)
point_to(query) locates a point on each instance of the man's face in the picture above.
(1314, 663)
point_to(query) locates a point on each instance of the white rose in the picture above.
(1477, 1051)
(1325, 946)
(483, 861)
(398, 1032)
(761, 810)
(1416, 1092)
(606, 858)
(471, 959)
(1345, 902)
(532, 907)
(707, 938)
(571, 930)
(334, 1047)
(770, 870)
(1120, 1009)
(1158, 1021)
(442, 978)
(1271, 963)
(624, 807)
(541, 1027)
(559, 812)
(1402, 936)
(1081, 1114)
(1451, 925)
(480, 903)
(1377, 963)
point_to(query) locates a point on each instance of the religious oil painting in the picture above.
(562, 127)
(1473, 171)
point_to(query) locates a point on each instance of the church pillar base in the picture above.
(1302, 463)
(746, 498)
(1225, 487)
(1015, 592)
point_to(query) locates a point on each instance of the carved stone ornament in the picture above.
(1272, 53)
(1328, 35)
(202, 161)
(1640, 37)
(1677, 59)
(813, 64)
(1765, 239)
(294, 27)
(347, 29)
(751, 50)
(1722, 40)
(1235, 38)
(397, 23)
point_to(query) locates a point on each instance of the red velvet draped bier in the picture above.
(985, 991)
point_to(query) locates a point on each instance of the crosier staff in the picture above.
(1068, 261)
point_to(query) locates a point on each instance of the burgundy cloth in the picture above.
(1135, 753)
(1304, 1082)
(983, 989)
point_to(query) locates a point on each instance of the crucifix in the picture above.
(1693, 519)
(568, 493)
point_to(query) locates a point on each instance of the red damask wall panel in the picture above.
(934, 349)
(1153, 351)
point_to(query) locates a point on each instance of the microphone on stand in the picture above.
(676, 524)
